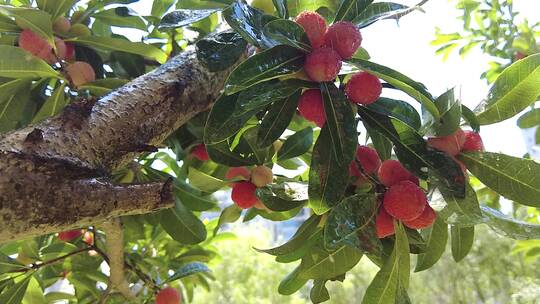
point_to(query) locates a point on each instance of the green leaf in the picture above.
(34, 293)
(288, 32)
(462, 211)
(248, 145)
(102, 87)
(292, 282)
(509, 227)
(352, 223)
(276, 120)
(393, 275)
(221, 154)
(281, 8)
(296, 144)
(160, 7)
(121, 17)
(17, 63)
(221, 51)
(118, 44)
(470, 118)
(323, 264)
(192, 198)
(184, 17)
(182, 225)
(351, 9)
(55, 296)
(382, 144)
(412, 88)
(203, 181)
(8, 264)
(278, 61)
(340, 122)
(28, 18)
(462, 241)
(530, 119)
(15, 293)
(513, 177)
(379, 11)
(284, 196)
(517, 87)
(263, 94)
(187, 270)
(56, 8)
(15, 104)
(53, 105)
(7, 25)
(448, 122)
(398, 109)
(319, 292)
(229, 215)
(436, 237)
(249, 23)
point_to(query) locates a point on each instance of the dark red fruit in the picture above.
(70, 235)
(238, 172)
(315, 27)
(199, 152)
(473, 142)
(363, 88)
(168, 295)
(384, 224)
(368, 159)
(392, 172)
(310, 106)
(243, 194)
(426, 219)
(450, 144)
(344, 37)
(405, 201)
(322, 65)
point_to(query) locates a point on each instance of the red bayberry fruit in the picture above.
(33, 43)
(88, 238)
(199, 152)
(261, 176)
(315, 27)
(368, 158)
(344, 37)
(168, 295)
(243, 194)
(310, 106)
(237, 172)
(405, 201)
(392, 172)
(70, 235)
(70, 51)
(80, 73)
(363, 88)
(473, 142)
(322, 65)
(450, 144)
(384, 224)
(426, 219)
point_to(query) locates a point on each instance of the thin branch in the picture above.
(406, 12)
(38, 265)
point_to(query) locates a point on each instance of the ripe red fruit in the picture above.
(237, 172)
(261, 176)
(392, 172)
(80, 73)
(344, 37)
(450, 144)
(405, 201)
(33, 43)
(70, 52)
(199, 152)
(315, 27)
(168, 295)
(368, 158)
(384, 224)
(70, 235)
(322, 64)
(473, 142)
(363, 88)
(426, 219)
(310, 106)
(243, 194)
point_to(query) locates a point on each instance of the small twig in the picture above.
(406, 12)
(38, 265)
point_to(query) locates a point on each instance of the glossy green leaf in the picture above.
(187, 270)
(160, 7)
(204, 181)
(8, 264)
(278, 216)
(55, 296)
(436, 238)
(340, 122)
(278, 61)
(462, 241)
(34, 293)
(296, 144)
(17, 63)
(249, 23)
(323, 264)
(263, 94)
(462, 211)
(319, 292)
(221, 154)
(182, 225)
(184, 17)
(229, 215)
(394, 274)
(470, 118)
(248, 145)
(283, 196)
(287, 32)
(382, 145)
(412, 88)
(192, 198)
(448, 122)
(220, 51)
(398, 109)
(530, 119)
(281, 8)
(15, 104)
(276, 120)
(517, 87)
(379, 11)
(56, 8)
(306, 231)
(292, 282)
(510, 227)
(118, 44)
(38, 21)
(7, 25)
(351, 9)
(513, 177)
(121, 17)
(15, 293)
(53, 105)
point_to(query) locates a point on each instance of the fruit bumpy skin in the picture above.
(33, 43)
(450, 144)
(384, 224)
(261, 176)
(243, 195)
(310, 106)
(368, 159)
(322, 65)
(238, 172)
(70, 235)
(426, 219)
(363, 88)
(404, 201)
(392, 172)
(315, 27)
(199, 152)
(473, 142)
(168, 295)
(344, 37)
(80, 73)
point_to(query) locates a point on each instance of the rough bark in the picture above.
(54, 175)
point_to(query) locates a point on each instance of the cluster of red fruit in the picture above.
(330, 46)
(70, 235)
(79, 72)
(457, 142)
(403, 199)
(243, 192)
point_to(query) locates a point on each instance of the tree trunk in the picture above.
(54, 176)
